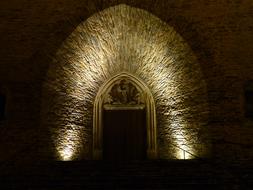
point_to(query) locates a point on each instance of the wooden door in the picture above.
(124, 135)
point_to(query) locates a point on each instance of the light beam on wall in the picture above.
(69, 142)
(125, 39)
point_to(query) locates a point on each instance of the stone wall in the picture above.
(219, 32)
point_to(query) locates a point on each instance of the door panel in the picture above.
(124, 135)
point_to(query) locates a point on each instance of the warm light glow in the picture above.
(69, 142)
(66, 154)
(125, 39)
(183, 154)
(182, 138)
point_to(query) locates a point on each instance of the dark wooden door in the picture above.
(124, 135)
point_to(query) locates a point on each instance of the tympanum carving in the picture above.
(124, 93)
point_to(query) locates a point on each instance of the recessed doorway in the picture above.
(124, 135)
(124, 120)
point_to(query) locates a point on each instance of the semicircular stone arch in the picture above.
(131, 40)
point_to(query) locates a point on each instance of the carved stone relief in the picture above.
(124, 92)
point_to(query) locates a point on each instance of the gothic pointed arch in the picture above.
(135, 95)
(124, 39)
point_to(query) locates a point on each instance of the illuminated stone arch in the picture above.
(147, 101)
(124, 39)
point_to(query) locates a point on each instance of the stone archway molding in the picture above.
(150, 115)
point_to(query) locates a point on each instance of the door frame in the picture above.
(150, 115)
